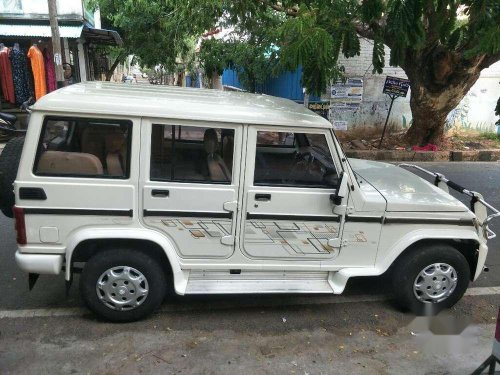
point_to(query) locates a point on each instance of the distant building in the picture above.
(26, 22)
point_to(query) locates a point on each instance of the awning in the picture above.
(42, 31)
(102, 36)
(96, 36)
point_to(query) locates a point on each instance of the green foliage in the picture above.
(272, 35)
(404, 22)
(490, 135)
(160, 31)
(378, 59)
(371, 10)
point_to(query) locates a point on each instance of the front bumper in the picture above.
(481, 259)
(43, 264)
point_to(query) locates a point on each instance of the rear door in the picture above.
(189, 184)
(288, 213)
(83, 172)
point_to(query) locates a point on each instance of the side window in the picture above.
(191, 154)
(84, 147)
(294, 159)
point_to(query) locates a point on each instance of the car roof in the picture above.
(174, 102)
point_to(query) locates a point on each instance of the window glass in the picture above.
(300, 160)
(191, 154)
(83, 147)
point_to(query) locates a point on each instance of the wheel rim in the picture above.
(122, 288)
(435, 283)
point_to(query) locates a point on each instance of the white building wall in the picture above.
(475, 111)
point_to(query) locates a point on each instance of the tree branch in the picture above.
(111, 70)
(364, 30)
(293, 12)
(490, 60)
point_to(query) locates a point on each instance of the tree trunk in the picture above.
(429, 112)
(111, 70)
(216, 81)
(438, 81)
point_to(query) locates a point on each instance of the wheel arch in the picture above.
(466, 246)
(89, 241)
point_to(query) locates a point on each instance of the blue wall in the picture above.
(286, 85)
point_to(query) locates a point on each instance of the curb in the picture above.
(399, 155)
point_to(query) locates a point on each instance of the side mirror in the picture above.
(341, 190)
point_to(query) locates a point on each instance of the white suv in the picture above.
(143, 189)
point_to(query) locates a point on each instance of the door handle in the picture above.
(160, 193)
(262, 197)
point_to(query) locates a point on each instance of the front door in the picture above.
(288, 212)
(190, 185)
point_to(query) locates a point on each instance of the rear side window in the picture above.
(84, 147)
(191, 154)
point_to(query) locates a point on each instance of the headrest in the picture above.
(114, 142)
(210, 141)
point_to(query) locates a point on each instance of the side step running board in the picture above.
(222, 282)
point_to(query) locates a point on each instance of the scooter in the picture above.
(8, 120)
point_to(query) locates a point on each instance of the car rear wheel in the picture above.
(431, 278)
(9, 164)
(122, 285)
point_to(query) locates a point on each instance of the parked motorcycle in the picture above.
(8, 121)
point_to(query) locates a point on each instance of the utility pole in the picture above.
(56, 43)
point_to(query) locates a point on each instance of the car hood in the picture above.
(404, 190)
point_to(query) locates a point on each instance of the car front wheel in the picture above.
(431, 278)
(122, 285)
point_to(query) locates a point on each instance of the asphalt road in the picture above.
(49, 291)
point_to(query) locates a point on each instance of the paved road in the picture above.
(49, 291)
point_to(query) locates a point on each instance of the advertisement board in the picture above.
(396, 86)
(349, 91)
(322, 108)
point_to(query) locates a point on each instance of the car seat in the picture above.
(217, 169)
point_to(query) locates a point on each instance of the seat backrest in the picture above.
(92, 141)
(228, 151)
(69, 163)
(114, 148)
(217, 169)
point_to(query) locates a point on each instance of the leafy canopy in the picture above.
(271, 35)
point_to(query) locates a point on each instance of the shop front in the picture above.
(26, 56)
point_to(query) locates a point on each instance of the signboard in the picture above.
(351, 90)
(321, 108)
(339, 125)
(39, 10)
(396, 86)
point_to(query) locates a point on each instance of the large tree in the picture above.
(442, 45)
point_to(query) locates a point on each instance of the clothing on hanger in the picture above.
(50, 72)
(38, 68)
(6, 81)
(20, 75)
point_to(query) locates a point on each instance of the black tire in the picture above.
(9, 164)
(102, 261)
(410, 265)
